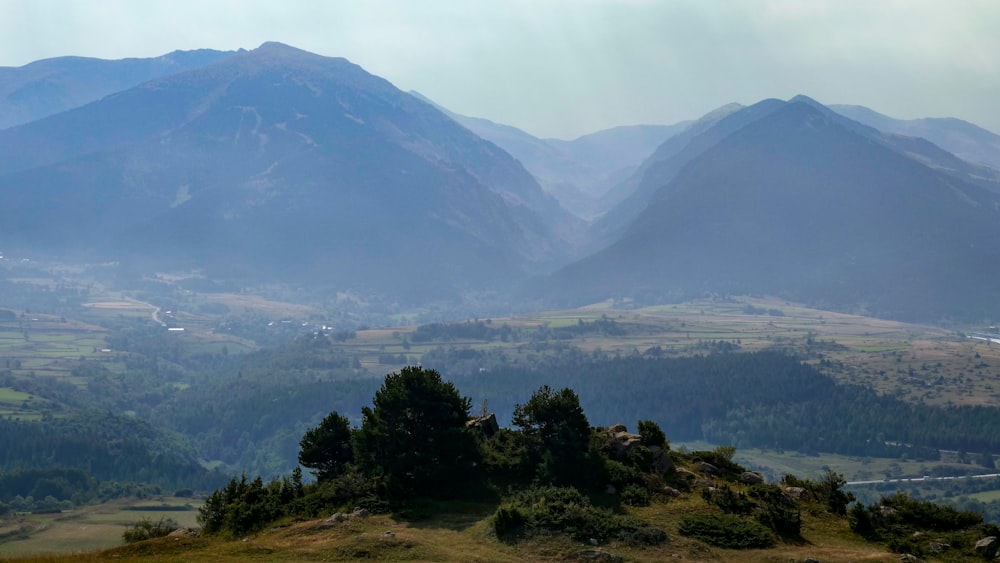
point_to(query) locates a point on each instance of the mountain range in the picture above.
(793, 199)
(276, 165)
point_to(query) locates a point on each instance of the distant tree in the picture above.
(986, 460)
(326, 449)
(414, 437)
(557, 434)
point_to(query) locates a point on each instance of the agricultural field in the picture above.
(88, 528)
(915, 362)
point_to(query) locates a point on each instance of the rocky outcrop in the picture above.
(486, 424)
(338, 517)
(751, 478)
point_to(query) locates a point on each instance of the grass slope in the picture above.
(466, 535)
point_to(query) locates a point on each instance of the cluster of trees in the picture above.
(418, 440)
(762, 399)
(91, 448)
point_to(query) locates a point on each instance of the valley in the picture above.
(214, 261)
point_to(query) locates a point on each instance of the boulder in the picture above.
(662, 462)
(617, 428)
(751, 478)
(707, 468)
(686, 474)
(987, 547)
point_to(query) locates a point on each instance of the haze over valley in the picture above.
(266, 292)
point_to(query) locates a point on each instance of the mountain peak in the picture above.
(803, 99)
(278, 47)
(280, 52)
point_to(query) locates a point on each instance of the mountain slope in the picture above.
(803, 205)
(964, 139)
(51, 86)
(278, 165)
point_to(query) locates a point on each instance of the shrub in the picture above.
(636, 495)
(726, 530)
(147, 529)
(621, 475)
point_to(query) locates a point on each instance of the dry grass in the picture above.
(466, 536)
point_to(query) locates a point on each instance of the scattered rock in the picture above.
(670, 491)
(593, 541)
(183, 532)
(751, 478)
(910, 558)
(938, 547)
(601, 555)
(810, 560)
(389, 534)
(338, 517)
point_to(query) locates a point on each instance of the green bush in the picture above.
(730, 501)
(565, 509)
(636, 495)
(726, 530)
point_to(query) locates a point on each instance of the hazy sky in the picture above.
(563, 68)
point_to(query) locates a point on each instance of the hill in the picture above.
(51, 86)
(444, 486)
(278, 165)
(803, 203)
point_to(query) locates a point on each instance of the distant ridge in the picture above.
(51, 86)
(577, 172)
